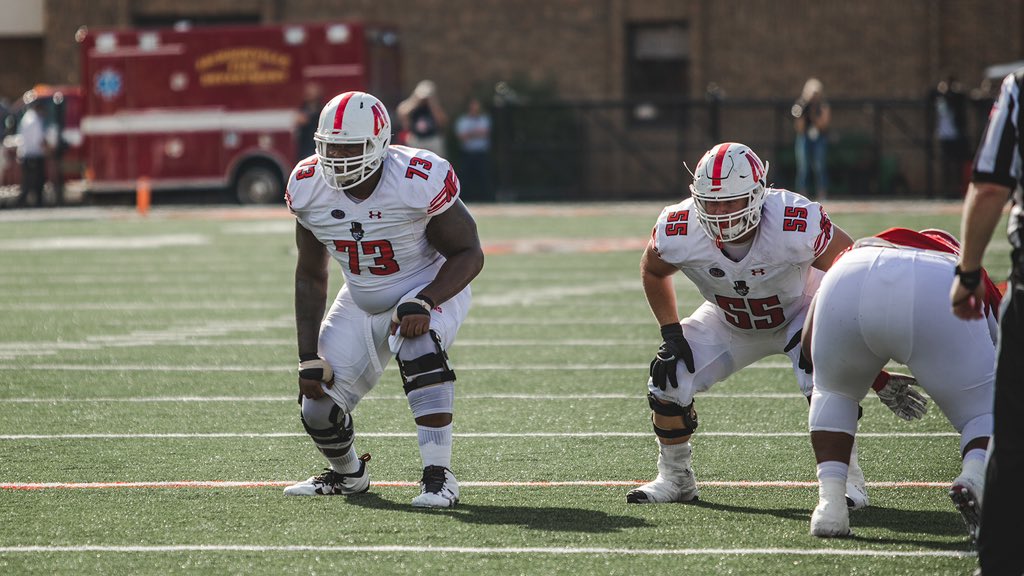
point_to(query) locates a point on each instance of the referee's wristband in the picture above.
(969, 279)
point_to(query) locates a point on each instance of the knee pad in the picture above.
(438, 399)
(688, 413)
(977, 427)
(331, 429)
(423, 362)
(831, 412)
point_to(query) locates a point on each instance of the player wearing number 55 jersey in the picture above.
(408, 248)
(756, 255)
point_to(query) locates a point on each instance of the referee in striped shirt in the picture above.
(997, 175)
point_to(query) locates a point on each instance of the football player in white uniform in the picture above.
(408, 248)
(756, 255)
(888, 299)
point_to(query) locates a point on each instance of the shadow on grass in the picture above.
(915, 527)
(532, 518)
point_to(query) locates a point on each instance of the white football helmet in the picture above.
(352, 118)
(729, 171)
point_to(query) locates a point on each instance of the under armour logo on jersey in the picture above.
(757, 271)
(740, 287)
(357, 231)
(376, 214)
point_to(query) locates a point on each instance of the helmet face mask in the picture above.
(727, 174)
(360, 123)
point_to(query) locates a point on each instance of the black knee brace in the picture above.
(335, 439)
(414, 371)
(689, 414)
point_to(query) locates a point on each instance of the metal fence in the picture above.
(635, 150)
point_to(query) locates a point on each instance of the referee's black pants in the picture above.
(1001, 540)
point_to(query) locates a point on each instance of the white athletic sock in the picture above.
(673, 459)
(435, 445)
(833, 469)
(346, 464)
(974, 462)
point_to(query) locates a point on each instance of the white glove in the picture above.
(904, 401)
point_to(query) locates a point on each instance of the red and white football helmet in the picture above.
(352, 118)
(729, 171)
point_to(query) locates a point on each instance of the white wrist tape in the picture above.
(326, 373)
(423, 303)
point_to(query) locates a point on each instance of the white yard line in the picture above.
(559, 550)
(161, 435)
(413, 484)
(291, 368)
(291, 398)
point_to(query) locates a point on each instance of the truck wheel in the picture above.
(259, 185)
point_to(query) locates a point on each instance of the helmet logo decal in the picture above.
(755, 169)
(339, 116)
(379, 118)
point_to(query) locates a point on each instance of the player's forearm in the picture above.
(661, 297)
(982, 210)
(310, 301)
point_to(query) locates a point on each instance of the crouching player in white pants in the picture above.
(756, 254)
(888, 299)
(408, 248)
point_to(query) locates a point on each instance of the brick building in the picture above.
(615, 50)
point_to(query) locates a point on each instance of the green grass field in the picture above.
(148, 417)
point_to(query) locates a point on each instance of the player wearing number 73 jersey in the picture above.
(408, 248)
(756, 255)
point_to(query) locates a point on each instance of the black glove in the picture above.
(674, 347)
(804, 363)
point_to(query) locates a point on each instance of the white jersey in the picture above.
(766, 289)
(381, 241)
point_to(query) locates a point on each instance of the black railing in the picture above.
(633, 150)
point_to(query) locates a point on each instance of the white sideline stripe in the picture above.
(494, 550)
(104, 242)
(411, 484)
(631, 397)
(104, 436)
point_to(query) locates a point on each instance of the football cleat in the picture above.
(830, 520)
(966, 494)
(856, 488)
(856, 495)
(683, 489)
(438, 489)
(332, 483)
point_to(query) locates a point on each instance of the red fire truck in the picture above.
(214, 107)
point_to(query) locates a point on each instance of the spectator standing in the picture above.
(948, 118)
(811, 118)
(32, 153)
(473, 130)
(998, 173)
(306, 120)
(423, 118)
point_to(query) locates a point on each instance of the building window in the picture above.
(658, 71)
